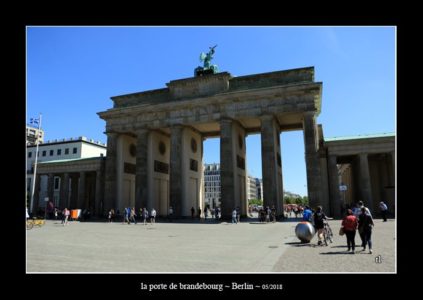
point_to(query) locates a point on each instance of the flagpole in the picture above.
(35, 166)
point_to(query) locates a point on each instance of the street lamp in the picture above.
(35, 121)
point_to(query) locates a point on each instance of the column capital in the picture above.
(226, 120)
(309, 114)
(112, 134)
(267, 118)
(139, 131)
(363, 155)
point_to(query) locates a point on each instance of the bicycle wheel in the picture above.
(325, 236)
(330, 234)
(29, 225)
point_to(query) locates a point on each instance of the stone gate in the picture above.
(155, 139)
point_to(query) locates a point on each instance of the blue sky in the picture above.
(73, 71)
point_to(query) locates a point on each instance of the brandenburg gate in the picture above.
(155, 139)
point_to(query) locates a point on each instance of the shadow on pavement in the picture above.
(335, 252)
(259, 223)
(300, 244)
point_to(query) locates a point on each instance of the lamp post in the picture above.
(36, 159)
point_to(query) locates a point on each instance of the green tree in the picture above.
(298, 201)
(255, 202)
(288, 200)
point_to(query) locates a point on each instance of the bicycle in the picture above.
(327, 233)
(34, 222)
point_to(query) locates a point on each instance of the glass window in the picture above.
(67, 151)
(29, 154)
(59, 151)
(74, 150)
(51, 152)
(56, 183)
(44, 152)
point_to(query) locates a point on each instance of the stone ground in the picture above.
(335, 258)
(199, 247)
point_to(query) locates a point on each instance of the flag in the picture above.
(34, 121)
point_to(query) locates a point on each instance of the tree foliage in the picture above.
(255, 202)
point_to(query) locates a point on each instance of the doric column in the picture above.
(324, 185)
(98, 187)
(176, 169)
(312, 158)
(227, 174)
(365, 184)
(64, 191)
(81, 190)
(50, 187)
(271, 164)
(74, 191)
(335, 203)
(110, 173)
(141, 172)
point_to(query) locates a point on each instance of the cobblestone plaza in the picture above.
(200, 247)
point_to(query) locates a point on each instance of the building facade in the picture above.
(212, 185)
(34, 135)
(252, 188)
(365, 168)
(56, 158)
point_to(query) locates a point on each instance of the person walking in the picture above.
(132, 216)
(66, 213)
(367, 212)
(153, 216)
(110, 216)
(125, 215)
(170, 216)
(383, 210)
(307, 214)
(217, 213)
(349, 224)
(234, 216)
(145, 215)
(192, 212)
(273, 213)
(319, 217)
(365, 226)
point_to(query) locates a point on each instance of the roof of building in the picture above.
(71, 140)
(69, 160)
(361, 136)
